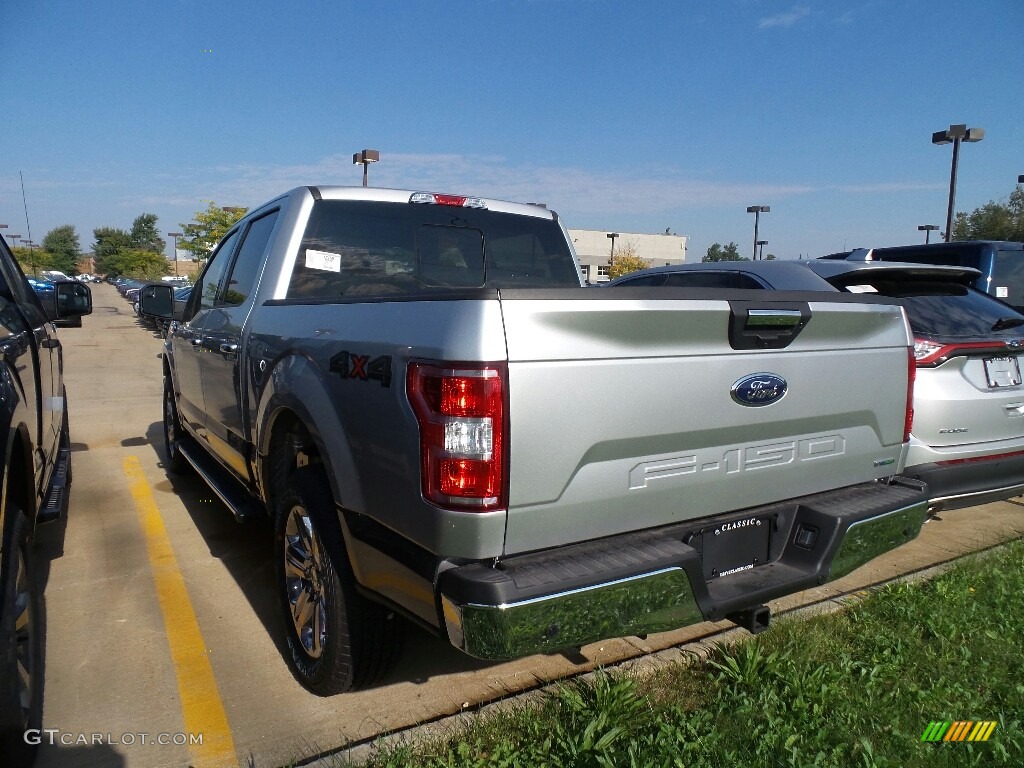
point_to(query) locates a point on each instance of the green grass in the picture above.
(857, 688)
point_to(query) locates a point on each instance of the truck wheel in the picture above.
(172, 431)
(337, 639)
(21, 670)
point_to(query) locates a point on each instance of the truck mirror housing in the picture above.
(73, 299)
(156, 300)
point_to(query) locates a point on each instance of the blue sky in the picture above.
(634, 116)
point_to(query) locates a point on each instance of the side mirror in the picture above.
(73, 299)
(156, 301)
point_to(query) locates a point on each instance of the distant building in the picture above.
(594, 247)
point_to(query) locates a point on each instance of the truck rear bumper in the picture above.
(663, 579)
(954, 485)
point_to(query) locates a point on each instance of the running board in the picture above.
(243, 506)
(56, 504)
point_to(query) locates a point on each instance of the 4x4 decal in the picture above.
(363, 367)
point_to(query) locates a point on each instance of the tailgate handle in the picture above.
(1014, 409)
(752, 325)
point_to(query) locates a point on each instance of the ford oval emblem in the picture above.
(759, 389)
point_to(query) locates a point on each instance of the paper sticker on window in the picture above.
(328, 262)
(1002, 292)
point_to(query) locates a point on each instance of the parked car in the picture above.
(725, 274)
(1001, 263)
(35, 474)
(420, 392)
(967, 440)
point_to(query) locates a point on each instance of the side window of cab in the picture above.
(204, 295)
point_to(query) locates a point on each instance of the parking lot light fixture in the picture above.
(757, 210)
(760, 248)
(954, 135)
(1020, 179)
(364, 158)
(927, 229)
(611, 257)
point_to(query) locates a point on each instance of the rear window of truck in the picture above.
(354, 249)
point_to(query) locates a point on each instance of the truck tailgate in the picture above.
(622, 415)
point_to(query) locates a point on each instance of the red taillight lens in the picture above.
(461, 413)
(908, 421)
(927, 352)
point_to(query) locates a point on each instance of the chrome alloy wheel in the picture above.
(304, 574)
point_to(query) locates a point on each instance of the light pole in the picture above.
(364, 159)
(757, 210)
(175, 235)
(611, 257)
(954, 136)
(31, 254)
(15, 238)
(760, 249)
(927, 229)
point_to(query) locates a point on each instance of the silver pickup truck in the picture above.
(445, 424)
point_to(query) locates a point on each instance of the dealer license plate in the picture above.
(735, 546)
(1002, 372)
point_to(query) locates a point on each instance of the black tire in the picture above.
(21, 648)
(176, 463)
(337, 639)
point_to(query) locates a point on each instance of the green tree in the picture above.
(62, 246)
(200, 236)
(138, 263)
(626, 260)
(32, 260)
(728, 253)
(144, 235)
(109, 242)
(993, 221)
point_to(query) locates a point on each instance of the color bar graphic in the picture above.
(958, 730)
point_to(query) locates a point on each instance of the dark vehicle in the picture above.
(1001, 263)
(36, 476)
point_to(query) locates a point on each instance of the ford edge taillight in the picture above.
(461, 409)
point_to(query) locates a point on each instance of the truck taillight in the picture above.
(908, 421)
(460, 408)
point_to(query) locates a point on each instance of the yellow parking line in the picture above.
(200, 700)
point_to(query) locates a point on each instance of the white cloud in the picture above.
(796, 14)
(570, 191)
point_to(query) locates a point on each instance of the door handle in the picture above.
(229, 349)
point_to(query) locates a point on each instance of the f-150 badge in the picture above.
(759, 389)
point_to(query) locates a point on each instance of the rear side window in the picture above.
(950, 310)
(367, 249)
(250, 258)
(1008, 278)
